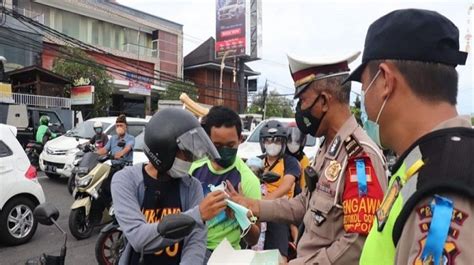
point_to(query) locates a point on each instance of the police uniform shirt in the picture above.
(338, 214)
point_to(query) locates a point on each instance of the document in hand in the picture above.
(224, 254)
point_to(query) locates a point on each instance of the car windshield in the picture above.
(254, 137)
(85, 129)
(139, 142)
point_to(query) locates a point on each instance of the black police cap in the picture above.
(411, 34)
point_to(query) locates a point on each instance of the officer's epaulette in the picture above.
(352, 146)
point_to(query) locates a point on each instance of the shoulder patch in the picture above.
(352, 146)
(458, 217)
(452, 232)
(450, 252)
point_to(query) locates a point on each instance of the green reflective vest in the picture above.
(379, 247)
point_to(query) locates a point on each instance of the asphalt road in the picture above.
(48, 239)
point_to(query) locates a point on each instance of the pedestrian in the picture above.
(409, 90)
(145, 193)
(224, 128)
(344, 185)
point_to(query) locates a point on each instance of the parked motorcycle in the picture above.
(33, 151)
(48, 214)
(86, 159)
(111, 243)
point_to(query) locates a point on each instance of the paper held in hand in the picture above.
(224, 254)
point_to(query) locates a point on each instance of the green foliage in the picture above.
(472, 120)
(356, 110)
(277, 105)
(72, 68)
(174, 90)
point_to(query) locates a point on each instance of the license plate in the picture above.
(51, 169)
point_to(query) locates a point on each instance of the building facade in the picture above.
(147, 46)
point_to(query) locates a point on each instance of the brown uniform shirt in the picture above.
(458, 246)
(336, 217)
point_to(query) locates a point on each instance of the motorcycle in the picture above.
(86, 159)
(33, 151)
(175, 226)
(110, 243)
(90, 208)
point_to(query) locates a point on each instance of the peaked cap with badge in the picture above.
(305, 71)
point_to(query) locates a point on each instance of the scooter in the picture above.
(88, 208)
(175, 226)
(86, 159)
(110, 243)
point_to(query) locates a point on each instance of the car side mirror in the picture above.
(45, 212)
(176, 226)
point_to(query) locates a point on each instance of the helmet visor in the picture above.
(295, 136)
(196, 142)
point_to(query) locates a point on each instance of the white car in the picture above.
(20, 191)
(57, 158)
(251, 146)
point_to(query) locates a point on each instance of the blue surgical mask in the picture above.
(240, 212)
(372, 128)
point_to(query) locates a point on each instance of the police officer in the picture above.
(409, 82)
(346, 183)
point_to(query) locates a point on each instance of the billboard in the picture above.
(82, 95)
(236, 28)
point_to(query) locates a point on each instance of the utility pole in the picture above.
(264, 100)
(242, 95)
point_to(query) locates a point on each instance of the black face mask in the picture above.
(306, 122)
(228, 156)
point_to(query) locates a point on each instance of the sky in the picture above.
(311, 28)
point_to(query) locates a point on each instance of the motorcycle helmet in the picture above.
(172, 129)
(44, 120)
(98, 127)
(296, 139)
(273, 130)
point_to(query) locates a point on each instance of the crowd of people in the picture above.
(343, 208)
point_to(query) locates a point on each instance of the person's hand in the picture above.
(117, 155)
(212, 205)
(235, 196)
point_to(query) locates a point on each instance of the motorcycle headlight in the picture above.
(84, 182)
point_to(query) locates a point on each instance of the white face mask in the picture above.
(273, 149)
(293, 147)
(179, 169)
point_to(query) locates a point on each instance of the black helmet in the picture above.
(273, 129)
(172, 129)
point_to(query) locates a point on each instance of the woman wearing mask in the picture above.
(273, 138)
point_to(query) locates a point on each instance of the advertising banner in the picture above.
(232, 29)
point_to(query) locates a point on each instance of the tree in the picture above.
(174, 90)
(356, 110)
(277, 105)
(79, 65)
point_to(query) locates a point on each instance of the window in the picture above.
(70, 24)
(53, 118)
(5, 150)
(132, 129)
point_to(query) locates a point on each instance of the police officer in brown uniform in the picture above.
(346, 183)
(409, 79)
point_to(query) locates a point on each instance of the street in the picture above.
(48, 239)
